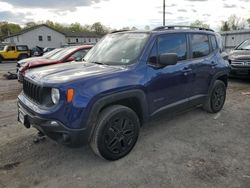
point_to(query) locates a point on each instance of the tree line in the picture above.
(6, 28)
(232, 23)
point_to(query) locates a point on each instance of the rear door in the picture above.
(203, 62)
(169, 86)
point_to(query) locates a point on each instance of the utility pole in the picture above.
(164, 12)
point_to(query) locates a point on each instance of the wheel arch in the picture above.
(134, 99)
(223, 76)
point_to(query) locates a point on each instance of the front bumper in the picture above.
(240, 71)
(53, 129)
(20, 77)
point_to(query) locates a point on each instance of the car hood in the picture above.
(28, 59)
(65, 72)
(240, 55)
(41, 62)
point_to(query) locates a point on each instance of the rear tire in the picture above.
(116, 132)
(216, 99)
(1, 59)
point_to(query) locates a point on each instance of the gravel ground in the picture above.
(191, 149)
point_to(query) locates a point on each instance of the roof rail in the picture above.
(118, 31)
(170, 27)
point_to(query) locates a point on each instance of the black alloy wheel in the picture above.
(116, 132)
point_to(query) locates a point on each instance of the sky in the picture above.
(123, 13)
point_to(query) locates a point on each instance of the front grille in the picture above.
(33, 91)
(241, 63)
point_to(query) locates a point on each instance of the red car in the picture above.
(75, 53)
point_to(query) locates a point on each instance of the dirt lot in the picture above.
(192, 149)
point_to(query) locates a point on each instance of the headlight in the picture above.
(55, 95)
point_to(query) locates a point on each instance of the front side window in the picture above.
(173, 43)
(214, 43)
(118, 49)
(153, 55)
(11, 48)
(200, 45)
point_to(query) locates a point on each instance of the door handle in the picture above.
(186, 71)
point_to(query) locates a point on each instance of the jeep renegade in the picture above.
(125, 80)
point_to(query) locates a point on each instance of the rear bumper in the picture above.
(53, 129)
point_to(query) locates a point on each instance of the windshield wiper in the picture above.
(99, 63)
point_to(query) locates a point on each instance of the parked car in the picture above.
(127, 78)
(37, 51)
(75, 53)
(45, 56)
(14, 52)
(2, 47)
(239, 59)
(46, 50)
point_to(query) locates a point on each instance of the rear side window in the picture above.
(173, 43)
(200, 45)
(213, 43)
(22, 48)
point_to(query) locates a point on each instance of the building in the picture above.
(73, 38)
(45, 36)
(231, 39)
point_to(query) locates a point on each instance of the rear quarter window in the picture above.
(199, 45)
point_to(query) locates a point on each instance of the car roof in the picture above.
(172, 29)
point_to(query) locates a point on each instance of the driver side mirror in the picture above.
(168, 59)
(71, 59)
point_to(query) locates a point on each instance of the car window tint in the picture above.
(214, 43)
(200, 45)
(173, 43)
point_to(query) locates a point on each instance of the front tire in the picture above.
(216, 98)
(116, 132)
(1, 59)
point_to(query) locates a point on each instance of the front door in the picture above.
(11, 53)
(169, 85)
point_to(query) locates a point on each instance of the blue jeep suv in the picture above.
(125, 80)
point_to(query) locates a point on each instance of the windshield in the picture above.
(51, 53)
(119, 49)
(1, 48)
(61, 54)
(244, 46)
